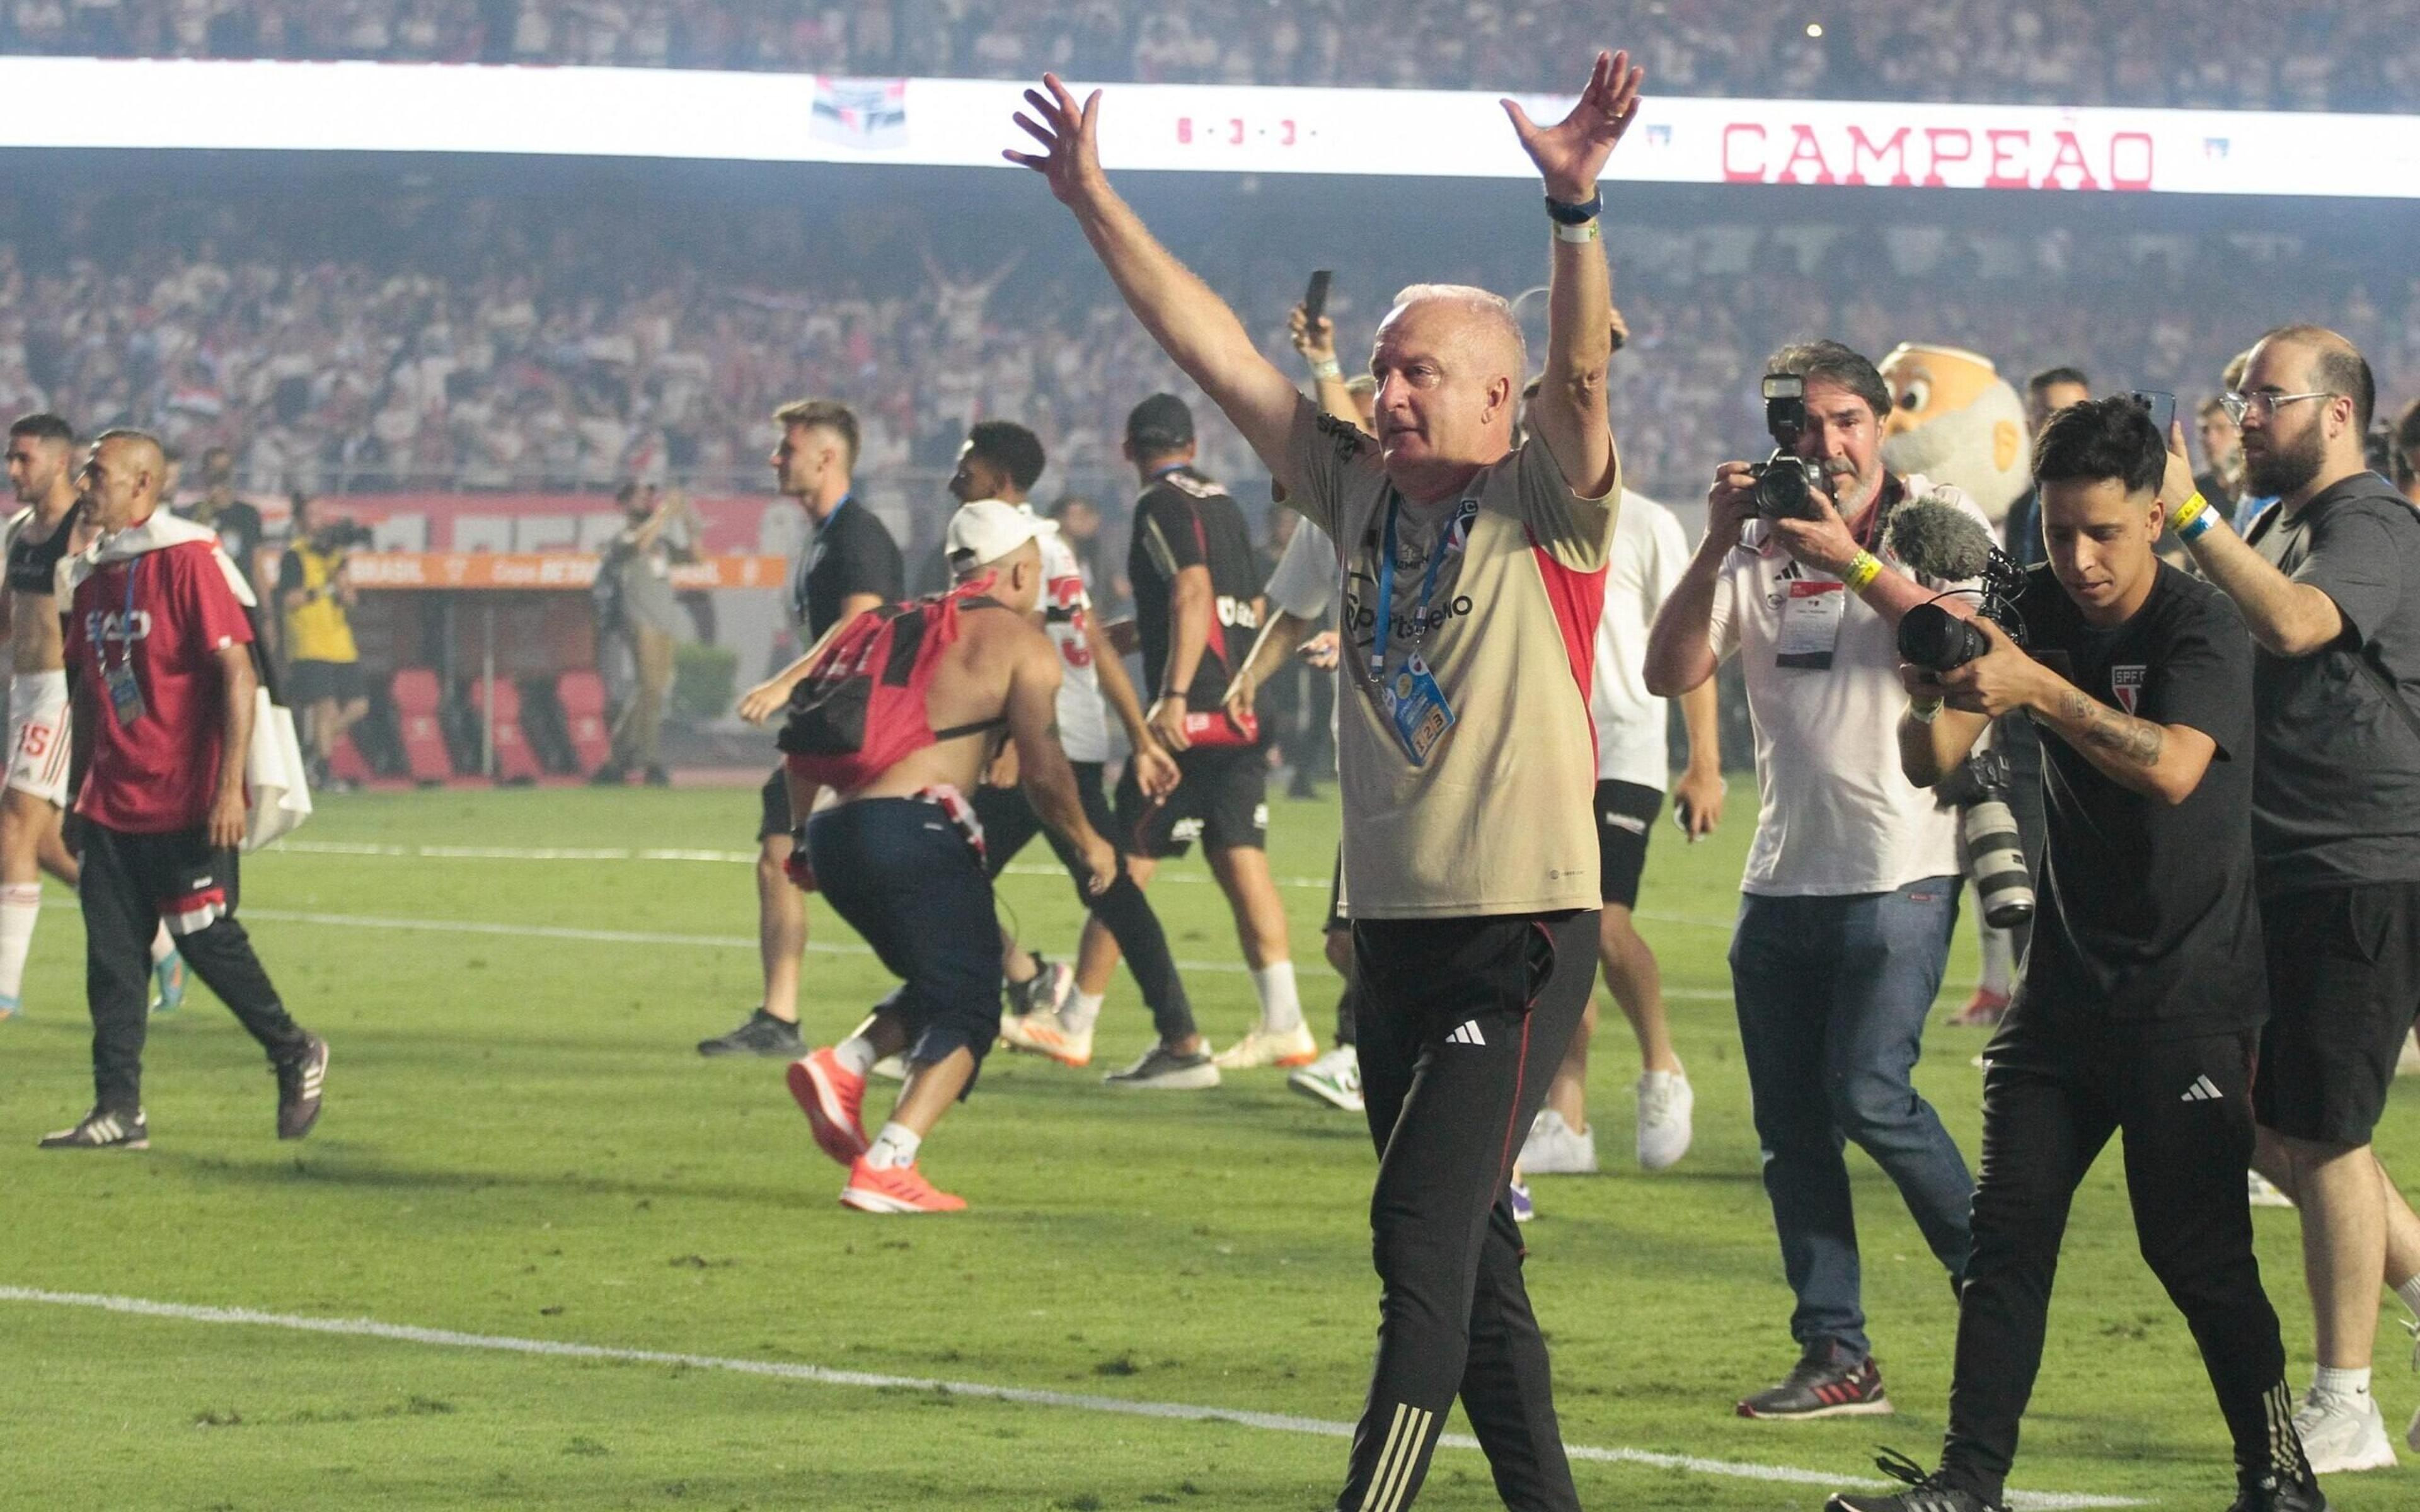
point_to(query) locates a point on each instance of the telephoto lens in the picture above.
(1932, 637)
(1996, 862)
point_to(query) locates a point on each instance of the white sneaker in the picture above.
(2263, 1194)
(1266, 1047)
(1334, 1078)
(892, 1068)
(1665, 1104)
(1045, 1033)
(1554, 1147)
(2342, 1434)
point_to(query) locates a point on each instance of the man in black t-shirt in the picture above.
(851, 566)
(2329, 584)
(2144, 990)
(1197, 587)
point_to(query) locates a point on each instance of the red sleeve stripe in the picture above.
(1578, 602)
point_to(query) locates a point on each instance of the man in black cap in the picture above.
(1195, 582)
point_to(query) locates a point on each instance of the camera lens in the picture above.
(1995, 863)
(1781, 492)
(1932, 637)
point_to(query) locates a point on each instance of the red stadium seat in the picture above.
(582, 696)
(515, 761)
(346, 763)
(418, 706)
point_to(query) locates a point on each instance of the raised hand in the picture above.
(1314, 339)
(1571, 153)
(1070, 159)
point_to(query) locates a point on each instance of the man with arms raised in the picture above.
(2329, 584)
(1474, 569)
(2140, 1009)
(901, 855)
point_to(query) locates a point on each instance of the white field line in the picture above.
(1020, 1395)
(559, 853)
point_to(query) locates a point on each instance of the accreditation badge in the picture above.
(1811, 623)
(1419, 708)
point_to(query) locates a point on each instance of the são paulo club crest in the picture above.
(2127, 684)
(1457, 535)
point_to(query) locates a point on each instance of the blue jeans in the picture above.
(1832, 995)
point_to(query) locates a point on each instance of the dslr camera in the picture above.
(338, 536)
(1786, 485)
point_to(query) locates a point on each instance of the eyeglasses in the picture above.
(2263, 403)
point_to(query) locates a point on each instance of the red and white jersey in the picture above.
(1067, 611)
(166, 612)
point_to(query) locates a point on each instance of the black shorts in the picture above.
(1224, 802)
(1010, 824)
(2344, 982)
(901, 874)
(1625, 816)
(775, 802)
(313, 681)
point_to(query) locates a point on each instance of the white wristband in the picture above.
(1328, 370)
(1585, 231)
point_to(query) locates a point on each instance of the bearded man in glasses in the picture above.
(2329, 584)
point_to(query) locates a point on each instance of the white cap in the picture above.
(988, 530)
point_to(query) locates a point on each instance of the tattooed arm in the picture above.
(2159, 760)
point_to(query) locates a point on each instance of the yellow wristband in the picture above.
(1863, 570)
(2188, 511)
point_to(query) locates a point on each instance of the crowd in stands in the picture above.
(552, 359)
(2218, 54)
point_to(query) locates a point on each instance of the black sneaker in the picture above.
(610, 775)
(1934, 1493)
(1162, 1070)
(761, 1035)
(656, 777)
(1045, 991)
(1827, 1382)
(2269, 1492)
(102, 1131)
(298, 1082)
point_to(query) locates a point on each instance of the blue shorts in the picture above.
(903, 876)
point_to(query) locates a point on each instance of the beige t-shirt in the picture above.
(1498, 819)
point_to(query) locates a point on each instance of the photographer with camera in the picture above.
(2141, 1004)
(323, 667)
(1852, 887)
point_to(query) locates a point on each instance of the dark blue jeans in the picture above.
(1832, 995)
(903, 876)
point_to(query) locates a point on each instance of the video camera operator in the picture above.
(1852, 885)
(323, 665)
(2141, 1003)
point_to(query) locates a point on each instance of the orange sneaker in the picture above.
(833, 1099)
(894, 1189)
(1985, 1009)
(1042, 1034)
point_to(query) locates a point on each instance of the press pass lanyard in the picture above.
(1386, 588)
(125, 693)
(1414, 704)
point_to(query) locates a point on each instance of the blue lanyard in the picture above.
(1386, 585)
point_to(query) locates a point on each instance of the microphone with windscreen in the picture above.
(1945, 544)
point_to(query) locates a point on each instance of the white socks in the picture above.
(162, 946)
(856, 1055)
(2352, 1383)
(21, 906)
(1280, 1006)
(1999, 960)
(1083, 1010)
(895, 1145)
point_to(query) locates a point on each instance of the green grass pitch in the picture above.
(520, 1142)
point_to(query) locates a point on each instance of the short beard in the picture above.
(2283, 470)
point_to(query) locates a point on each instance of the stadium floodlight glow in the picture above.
(167, 104)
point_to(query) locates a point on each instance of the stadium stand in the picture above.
(2345, 57)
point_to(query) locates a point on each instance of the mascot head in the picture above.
(1955, 420)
